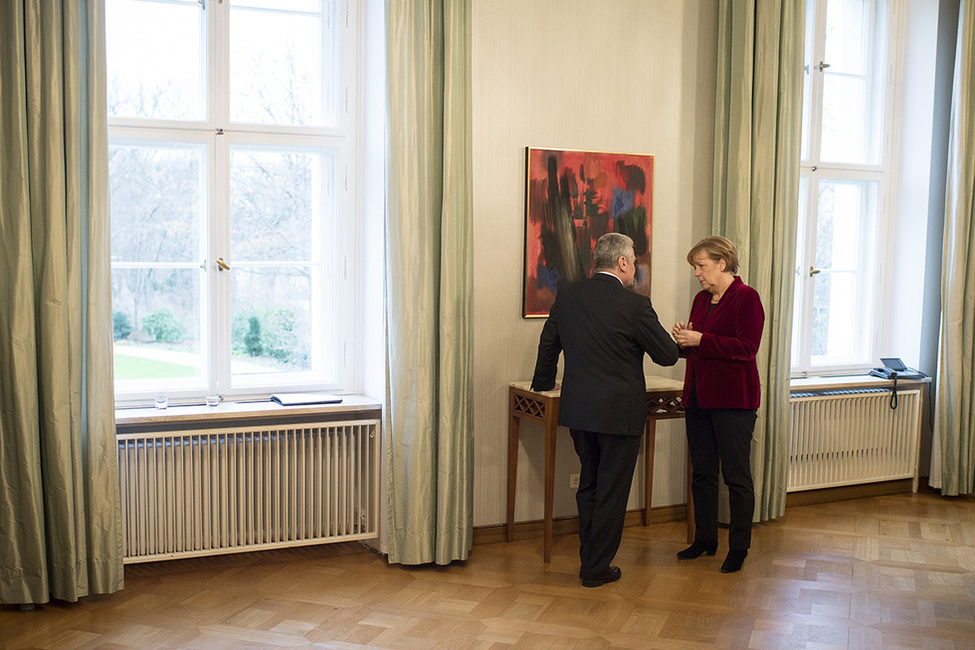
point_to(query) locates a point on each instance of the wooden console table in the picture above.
(663, 403)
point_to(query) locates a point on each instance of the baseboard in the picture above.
(847, 493)
(924, 486)
(534, 529)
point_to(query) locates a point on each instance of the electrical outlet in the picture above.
(573, 480)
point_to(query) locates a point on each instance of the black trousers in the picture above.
(721, 439)
(608, 462)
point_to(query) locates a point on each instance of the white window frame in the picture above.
(218, 135)
(874, 253)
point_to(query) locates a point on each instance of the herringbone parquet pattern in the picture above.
(885, 572)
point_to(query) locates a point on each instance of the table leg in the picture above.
(551, 430)
(651, 434)
(513, 422)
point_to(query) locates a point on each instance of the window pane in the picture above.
(281, 65)
(277, 209)
(847, 38)
(156, 197)
(833, 324)
(156, 324)
(841, 315)
(273, 313)
(840, 224)
(846, 138)
(156, 202)
(155, 59)
(280, 222)
(852, 106)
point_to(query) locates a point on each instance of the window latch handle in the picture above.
(823, 65)
(223, 265)
(813, 271)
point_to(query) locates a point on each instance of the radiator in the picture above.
(853, 436)
(227, 490)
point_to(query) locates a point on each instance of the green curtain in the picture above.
(758, 115)
(59, 514)
(956, 357)
(429, 282)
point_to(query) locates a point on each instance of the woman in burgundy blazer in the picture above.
(721, 396)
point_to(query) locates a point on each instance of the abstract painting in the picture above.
(573, 198)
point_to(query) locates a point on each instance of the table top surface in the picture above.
(655, 383)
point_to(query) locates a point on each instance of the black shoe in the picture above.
(734, 561)
(697, 549)
(612, 574)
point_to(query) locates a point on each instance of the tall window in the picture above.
(844, 172)
(232, 137)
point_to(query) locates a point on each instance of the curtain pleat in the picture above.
(758, 115)
(59, 515)
(429, 282)
(956, 356)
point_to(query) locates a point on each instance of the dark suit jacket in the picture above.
(604, 329)
(724, 364)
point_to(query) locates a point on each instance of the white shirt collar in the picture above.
(610, 273)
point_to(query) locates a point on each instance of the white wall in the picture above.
(917, 27)
(371, 380)
(623, 75)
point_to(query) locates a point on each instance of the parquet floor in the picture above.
(884, 572)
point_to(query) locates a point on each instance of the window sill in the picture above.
(843, 382)
(198, 415)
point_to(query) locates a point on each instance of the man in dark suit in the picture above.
(604, 329)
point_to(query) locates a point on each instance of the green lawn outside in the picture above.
(132, 367)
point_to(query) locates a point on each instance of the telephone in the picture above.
(895, 369)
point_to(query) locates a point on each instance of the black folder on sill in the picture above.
(305, 399)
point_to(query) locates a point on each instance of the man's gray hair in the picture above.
(609, 248)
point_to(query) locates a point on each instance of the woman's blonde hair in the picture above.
(717, 248)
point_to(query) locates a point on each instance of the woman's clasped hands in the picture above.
(685, 335)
